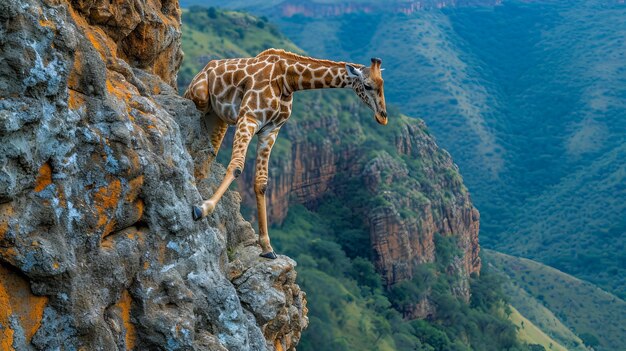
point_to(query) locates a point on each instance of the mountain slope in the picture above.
(566, 136)
(586, 310)
(529, 99)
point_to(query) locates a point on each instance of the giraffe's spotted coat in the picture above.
(255, 94)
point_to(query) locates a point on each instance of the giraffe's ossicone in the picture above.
(255, 95)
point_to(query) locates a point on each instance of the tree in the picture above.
(212, 12)
(590, 339)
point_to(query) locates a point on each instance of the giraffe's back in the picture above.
(222, 84)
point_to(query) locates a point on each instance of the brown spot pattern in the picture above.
(255, 95)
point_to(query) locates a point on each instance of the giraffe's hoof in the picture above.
(196, 213)
(271, 255)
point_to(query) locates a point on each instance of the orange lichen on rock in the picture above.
(140, 208)
(47, 23)
(107, 197)
(44, 178)
(108, 228)
(124, 305)
(8, 255)
(6, 212)
(6, 333)
(4, 228)
(134, 188)
(76, 99)
(17, 299)
(96, 43)
(105, 46)
(132, 233)
(106, 200)
(61, 196)
(74, 79)
(135, 165)
(156, 90)
(121, 90)
(161, 253)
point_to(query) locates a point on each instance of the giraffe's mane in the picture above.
(302, 58)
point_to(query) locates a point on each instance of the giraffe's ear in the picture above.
(353, 72)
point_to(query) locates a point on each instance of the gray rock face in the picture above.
(99, 167)
(278, 310)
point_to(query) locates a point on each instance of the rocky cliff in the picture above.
(395, 178)
(98, 154)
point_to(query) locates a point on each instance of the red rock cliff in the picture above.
(414, 187)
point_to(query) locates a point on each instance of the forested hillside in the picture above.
(529, 99)
(351, 305)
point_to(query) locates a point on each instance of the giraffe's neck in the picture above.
(316, 75)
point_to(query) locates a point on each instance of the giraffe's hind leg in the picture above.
(264, 148)
(217, 129)
(246, 128)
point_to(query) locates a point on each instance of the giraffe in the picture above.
(255, 94)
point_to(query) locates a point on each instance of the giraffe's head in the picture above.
(367, 83)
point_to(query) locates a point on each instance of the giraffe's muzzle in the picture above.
(381, 117)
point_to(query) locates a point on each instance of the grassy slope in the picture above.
(543, 318)
(578, 305)
(529, 99)
(531, 334)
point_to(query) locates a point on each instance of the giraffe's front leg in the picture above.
(264, 148)
(246, 127)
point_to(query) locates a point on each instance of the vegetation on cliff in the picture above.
(350, 309)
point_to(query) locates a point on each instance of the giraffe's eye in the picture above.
(368, 87)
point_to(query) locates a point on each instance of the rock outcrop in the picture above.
(98, 154)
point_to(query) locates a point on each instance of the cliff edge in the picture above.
(100, 160)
